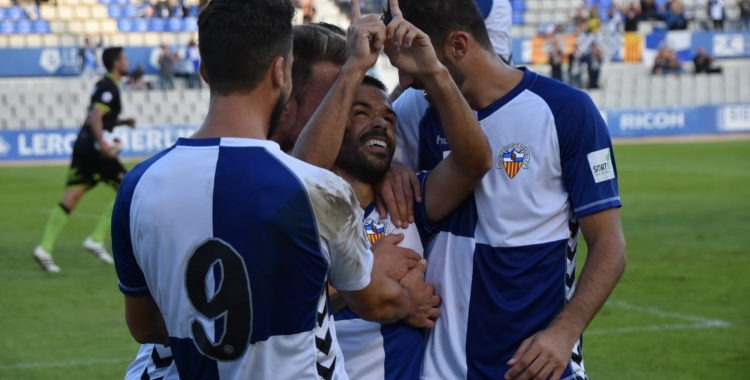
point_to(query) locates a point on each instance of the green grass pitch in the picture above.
(682, 310)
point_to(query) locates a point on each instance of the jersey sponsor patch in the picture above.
(601, 165)
(512, 158)
(106, 97)
(376, 229)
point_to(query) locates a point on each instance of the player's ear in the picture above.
(203, 73)
(277, 72)
(457, 45)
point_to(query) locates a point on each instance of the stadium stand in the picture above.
(59, 102)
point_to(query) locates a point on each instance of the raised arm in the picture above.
(320, 140)
(411, 51)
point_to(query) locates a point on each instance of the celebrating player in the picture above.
(392, 351)
(94, 160)
(224, 244)
(504, 262)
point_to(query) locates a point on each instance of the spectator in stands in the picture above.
(135, 79)
(661, 62)
(166, 68)
(308, 11)
(614, 20)
(716, 11)
(666, 63)
(648, 7)
(595, 61)
(594, 22)
(704, 63)
(744, 6)
(675, 17)
(575, 67)
(555, 61)
(192, 63)
(579, 19)
(633, 17)
(87, 55)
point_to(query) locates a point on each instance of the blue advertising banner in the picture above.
(671, 121)
(57, 144)
(41, 62)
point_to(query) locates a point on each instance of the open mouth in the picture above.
(376, 144)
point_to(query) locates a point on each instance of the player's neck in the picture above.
(241, 115)
(496, 80)
(364, 192)
(116, 76)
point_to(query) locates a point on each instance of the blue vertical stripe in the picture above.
(263, 211)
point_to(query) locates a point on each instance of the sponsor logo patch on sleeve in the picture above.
(601, 165)
(107, 97)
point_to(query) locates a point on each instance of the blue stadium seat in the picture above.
(125, 25)
(157, 25)
(519, 5)
(517, 18)
(15, 13)
(115, 11)
(140, 25)
(2, 13)
(194, 11)
(131, 11)
(23, 27)
(177, 12)
(41, 26)
(105, 2)
(121, 2)
(190, 24)
(7, 27)
(174, 24)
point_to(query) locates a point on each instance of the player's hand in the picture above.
(423, 299)
(395, 261)
(545, 355)
(129, 122)
(409, 49)
(365, 39)
(396, 194)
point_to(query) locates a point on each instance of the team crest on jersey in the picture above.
(512, 158)
(375, 230)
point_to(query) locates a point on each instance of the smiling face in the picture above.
(370, 138)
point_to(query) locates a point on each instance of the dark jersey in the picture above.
(106, 95)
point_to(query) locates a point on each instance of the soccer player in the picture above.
(94, 160)
(504, 262)
(390, 351)
(319, 54)
(224, 244)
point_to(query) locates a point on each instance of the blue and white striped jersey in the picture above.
(374, 351)
(236, 241)
(153, 362)
(504, 262)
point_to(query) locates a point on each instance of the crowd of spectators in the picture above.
(578, 61)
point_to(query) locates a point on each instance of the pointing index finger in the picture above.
(356, 13)
(395, 10)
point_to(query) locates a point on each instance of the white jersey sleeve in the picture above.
(410, 108)
(340, 225)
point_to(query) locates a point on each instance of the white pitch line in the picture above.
(69, 363)
(635, 329)
(662, 313)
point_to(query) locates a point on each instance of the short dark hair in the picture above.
(438, 18)
(110, 56)
(375, 82)
(313, 44)
(334, 28)
(239, 39)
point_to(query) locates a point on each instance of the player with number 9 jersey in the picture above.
(236, 241)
